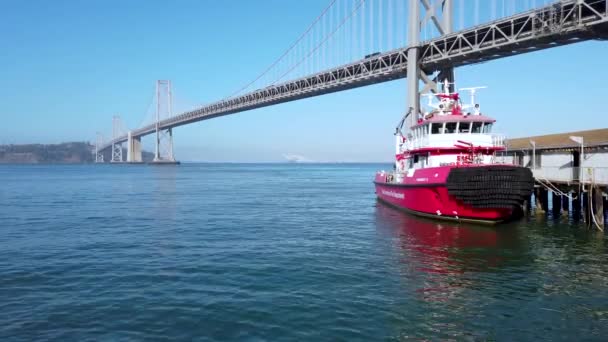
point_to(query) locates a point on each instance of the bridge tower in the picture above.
(117, 131)
(163, 152)
(439, 13)
(98, 143)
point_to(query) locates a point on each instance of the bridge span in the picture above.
(561, 23)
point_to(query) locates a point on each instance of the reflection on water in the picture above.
(478, 282)
(441, 253)
(165, 194)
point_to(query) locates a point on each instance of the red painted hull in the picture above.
(425, 192)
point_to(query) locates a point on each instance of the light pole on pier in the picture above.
(533, 143)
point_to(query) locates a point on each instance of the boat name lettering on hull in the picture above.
(393, 194)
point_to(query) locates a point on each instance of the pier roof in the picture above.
(591, 138)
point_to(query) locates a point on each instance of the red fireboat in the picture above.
(446, 165)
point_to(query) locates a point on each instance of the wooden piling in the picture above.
(576, 205)
(540, 203)
(605, 204)
(544, 198)
(556, 202)
(565, 205)
(598, 207)
(527, 206)
(586, 209)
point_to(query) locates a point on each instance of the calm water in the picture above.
(277, 252)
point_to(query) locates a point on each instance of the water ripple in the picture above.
(276, 252)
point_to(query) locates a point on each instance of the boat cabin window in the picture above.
(436, 128)
(487, 128)
(476, 127)
(464, 127)
(451, 127)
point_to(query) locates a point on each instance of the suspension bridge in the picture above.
(354, 43)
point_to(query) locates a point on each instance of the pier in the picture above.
(570, 172)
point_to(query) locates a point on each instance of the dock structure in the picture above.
(570, 168)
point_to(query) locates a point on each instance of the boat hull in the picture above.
(487, 194)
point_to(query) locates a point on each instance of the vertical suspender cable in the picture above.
(461, 14)
(325, 47)
(353, 33)
(316, 48)
(339, 38)
(380, 23)
(401, 28)
(302, 37)
(362, 40)
(372, 44)
(390, 25)
(331, 53)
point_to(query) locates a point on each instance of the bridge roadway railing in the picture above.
(562, 23)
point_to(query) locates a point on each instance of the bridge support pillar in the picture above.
(163, 153)
(133, 149)
(164, 147)
(430, 78)
(116, 153)
(98, 157)
(413, 65)
(98, 152)
(117, 129)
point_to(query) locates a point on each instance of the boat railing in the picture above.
(417, 143)
(448, 140)
(498, 140)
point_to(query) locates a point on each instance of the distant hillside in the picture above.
(71, 152)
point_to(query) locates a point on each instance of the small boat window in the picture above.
(465, 127)
(487, 128)
(450, 127)
(436, 128)
(476, 127)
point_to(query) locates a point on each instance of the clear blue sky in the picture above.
(68, 66)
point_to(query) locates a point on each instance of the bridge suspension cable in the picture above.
(321, 43)
(289, 49)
